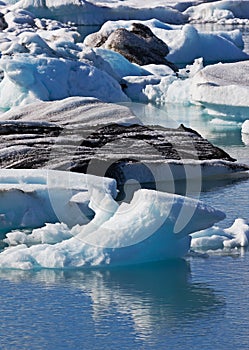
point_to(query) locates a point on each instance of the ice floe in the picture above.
(223, 85)
(216, 239)
(223, 12)
(153, 227)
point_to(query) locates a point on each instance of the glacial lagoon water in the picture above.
(198, 303)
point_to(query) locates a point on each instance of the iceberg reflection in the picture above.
(152, 298)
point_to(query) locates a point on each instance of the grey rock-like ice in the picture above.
(89, 136)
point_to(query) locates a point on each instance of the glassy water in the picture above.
(196, 303)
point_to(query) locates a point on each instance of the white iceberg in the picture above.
(154, 226)
(30, 198)
(27, 79)
(223, 12)
(97, 12)
(223, 87)
(245, 127)
(43, 60)
(188, 44)
(216, 239)
(185, 43)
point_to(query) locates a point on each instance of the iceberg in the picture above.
(42, 59)
(223, 87)
(97, 12)
(30, 198)
(185, 42)
(85, 135)
(30, 79)
(154, 226)
(223, 12)
(217, 240)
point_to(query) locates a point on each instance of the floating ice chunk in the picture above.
(216, 238)
(224, 123)
(240, 231)
(222, 85)
(30, 198)
(185, 43)
(222, 88)
(142, 231)
(95, 13)
(245, 127)
(188, 44)
(164, 88)
(27, 79)
(50, 233)
(230, 12)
